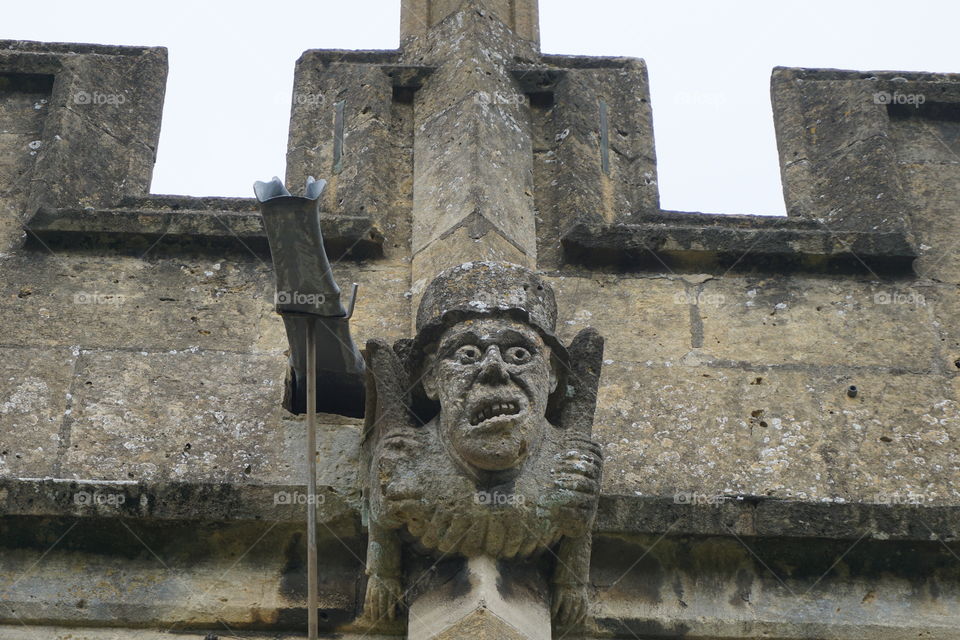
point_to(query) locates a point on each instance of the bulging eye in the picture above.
(518, 355)
(467, 354)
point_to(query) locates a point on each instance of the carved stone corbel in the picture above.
(478, 437)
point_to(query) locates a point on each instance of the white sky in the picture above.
(231, 73)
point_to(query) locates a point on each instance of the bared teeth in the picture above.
(494, 410)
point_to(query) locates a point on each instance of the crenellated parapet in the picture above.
(776, 404)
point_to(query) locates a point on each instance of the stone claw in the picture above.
(382, 599)
(569, 607)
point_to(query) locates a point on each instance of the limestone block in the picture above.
(173, 577)
(817, 321)
(418, 16)
(584, 191)
(944, 299)
(365, 89)
(699, 433)
(34, 401)
(640, 319)
(100, 136)
(24, 105)
(721, 587)
(183, 416)
(934, 189)
(837, 162)
(95, 301)
(473, 155)
(464, 167)
(475, 604)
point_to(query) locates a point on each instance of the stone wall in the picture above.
(149, 361)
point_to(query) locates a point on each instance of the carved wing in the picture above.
(583, 379)
(388, 393)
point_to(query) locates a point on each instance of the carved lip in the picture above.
(487, 410)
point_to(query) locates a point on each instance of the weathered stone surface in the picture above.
(176, 577)
(473, 155)
(24, 104)
(821, 322)
(128, 424)
(733, 588)
(711, 432)
(180, 224)
(100, 133)
(34, 402)
(837, 162)
(944, 300)
(934, 189)
(23, 500)
(687, 242)
(448, 611)
(175, 416)
(418, 16)
(93, 301)
(375, 99)
(926, 139)
(772, 517)
(200, 303)
(658, 309)
(603, 175)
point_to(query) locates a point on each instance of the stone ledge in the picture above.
(752, 516)
(373, 56)
(815, 74)
(170, 501)
(174, 576)
(16, 631)
(190, 223)
(36, 46)
(760, 517)
(704, 242)
(593, 62)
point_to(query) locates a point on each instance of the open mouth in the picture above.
(489, 410)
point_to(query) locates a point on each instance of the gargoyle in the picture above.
(478, 436)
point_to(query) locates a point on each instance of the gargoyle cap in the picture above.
(476, 289)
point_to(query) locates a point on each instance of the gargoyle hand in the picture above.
(569, 607)
(383, 596)
(384, 585)
(580, 466)
(570, 596)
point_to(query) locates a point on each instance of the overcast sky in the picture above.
(231, 73)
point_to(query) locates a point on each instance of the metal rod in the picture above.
(312, 478)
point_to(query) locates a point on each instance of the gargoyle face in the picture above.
(493, 378)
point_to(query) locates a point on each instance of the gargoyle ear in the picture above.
(429, 379)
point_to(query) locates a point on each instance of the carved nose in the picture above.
(493, 370)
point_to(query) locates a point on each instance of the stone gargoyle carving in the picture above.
(478, 435)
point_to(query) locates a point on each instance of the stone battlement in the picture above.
(788, 382)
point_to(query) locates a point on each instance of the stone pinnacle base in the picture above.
(472, 605)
